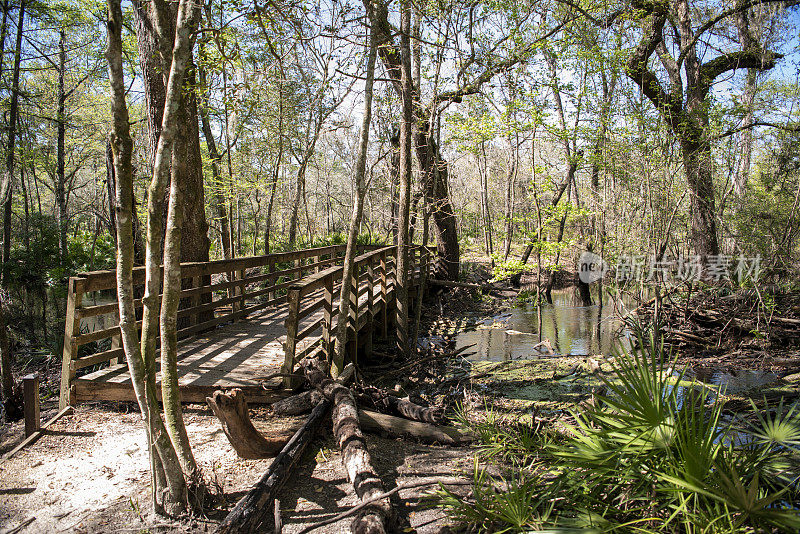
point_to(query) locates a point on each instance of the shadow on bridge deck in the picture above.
(239, 355)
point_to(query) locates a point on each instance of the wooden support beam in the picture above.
(72, 329)
(30, 395)
(290, 347)
(36, 435)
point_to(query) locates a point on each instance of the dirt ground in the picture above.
(89, 473)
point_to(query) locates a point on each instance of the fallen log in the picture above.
(297, 404)
(378, 516)
(449, 283)
(231, 410)
(403, 407)
(251, 513)
(397, 426)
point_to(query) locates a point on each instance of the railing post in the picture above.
(116, 342)
(384, 297)
(30, 395)
(290, 347)
(327, 344)
(197, 283)
(242, 292)
(72, 327)
(369, 327)
(352, 327)
(231, 292)
(271, 281)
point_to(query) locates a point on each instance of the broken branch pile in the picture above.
(718, 321)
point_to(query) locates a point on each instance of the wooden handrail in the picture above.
(372, 290)
(315, 273)
(204, 304)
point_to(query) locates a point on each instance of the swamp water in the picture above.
(528, 331)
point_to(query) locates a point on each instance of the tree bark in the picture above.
(432, 165)
(61, 132)
(218, 200)
(168, 485)
(356, 459)
(186, 162)
(297, 404)
(251, 513)
(685, 109)
(405, 172)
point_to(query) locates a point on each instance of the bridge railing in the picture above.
(212, 293)
(371, 295)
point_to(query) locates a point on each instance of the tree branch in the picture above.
(743, 59)
(739, 7)
(784, 127)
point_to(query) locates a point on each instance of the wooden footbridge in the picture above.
(240, 321)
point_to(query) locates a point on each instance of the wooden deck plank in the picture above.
(237, 354)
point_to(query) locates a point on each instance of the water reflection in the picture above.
(569, 327)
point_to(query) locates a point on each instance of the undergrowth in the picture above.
(654, 454)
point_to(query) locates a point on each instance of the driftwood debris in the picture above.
(231, 410)
(251, 513)
(378, 516)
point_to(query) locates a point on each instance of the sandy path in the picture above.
(89, 474)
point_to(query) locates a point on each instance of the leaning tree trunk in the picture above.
(356, 458)
(435, 168)
(355, 219)
(170, 390)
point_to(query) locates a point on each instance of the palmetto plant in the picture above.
(656, 455)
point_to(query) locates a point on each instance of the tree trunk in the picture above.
(435, 169)
(486, 214)
(355, 219)
(405, 171)
(251, 512)
(277, 168)
(217, 196)
(168, 485)
(6, 194)
(61, 129)
(299, 186)
(170, 390)
(355, 457)
(111, 187)
(509, 212)
(231, 410)
(698, 166)
(432, 164)
(186, 163)
(7, 186)
(745, 144)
